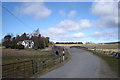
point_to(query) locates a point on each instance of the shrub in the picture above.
(20, 46)
(13, 46)
(8, 46)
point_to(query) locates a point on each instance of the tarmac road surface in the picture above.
(83, 64)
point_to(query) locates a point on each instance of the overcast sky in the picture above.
(63, 21)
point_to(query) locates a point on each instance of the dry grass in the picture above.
(90, 46)
(16, 52)
(25, 69)
(15, 55)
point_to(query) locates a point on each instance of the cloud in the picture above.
(107, 12)
(64, 28)
(79, 35)
(70, 25)
(104, 8)
(35, 9)
(72, 13)
(57, 31)
(62, 13)
(105, 35)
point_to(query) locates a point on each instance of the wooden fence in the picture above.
(28, 68)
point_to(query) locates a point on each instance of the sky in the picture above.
(63, 21)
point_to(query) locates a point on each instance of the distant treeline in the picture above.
(113, 42)
(40, 42)
(69, 43)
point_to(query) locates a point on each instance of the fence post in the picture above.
(54, 60)
(33, 67)
(24, 70)
(13, 71)
(36, 67)
(60, 58)
(45, 63)
(44, 66)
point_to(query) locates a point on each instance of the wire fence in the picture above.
(25, 69)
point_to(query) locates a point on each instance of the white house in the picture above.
(26, 43)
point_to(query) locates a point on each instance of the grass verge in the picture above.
(112, 62)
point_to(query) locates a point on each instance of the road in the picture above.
(83, 64)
